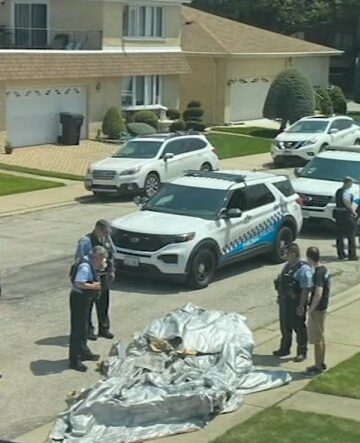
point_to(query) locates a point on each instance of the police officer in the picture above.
(86, 287)
(99, 237)
(345, 217)
(293, 285)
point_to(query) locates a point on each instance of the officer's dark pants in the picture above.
(345, 228)
(102, 307)
(291, 322)
(79, 314)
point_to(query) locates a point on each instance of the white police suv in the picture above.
(311, 135)
(319, 180)
(205, 220)
(143, 163)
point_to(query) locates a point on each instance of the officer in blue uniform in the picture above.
(86, 287)
(99, 237)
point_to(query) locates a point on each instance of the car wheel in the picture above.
(152, 184)
(357, 142)
(283, 238)
(323, 147)
(206, 167)
(202, 268)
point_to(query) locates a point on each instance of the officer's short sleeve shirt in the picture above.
(84, 274)
(305, 277)
(348, 196)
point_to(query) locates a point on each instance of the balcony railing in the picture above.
(61, 39)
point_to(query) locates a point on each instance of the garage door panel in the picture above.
(247, 98)
(33, 114)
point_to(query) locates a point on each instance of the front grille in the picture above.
(139, 241)
(103, 175)
(316, 200)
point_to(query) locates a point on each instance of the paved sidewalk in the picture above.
(342, 343)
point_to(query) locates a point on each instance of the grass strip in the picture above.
(41, 172)
(228, 145)
(12, 184)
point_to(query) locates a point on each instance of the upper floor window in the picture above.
(141, 90)
(143, 21)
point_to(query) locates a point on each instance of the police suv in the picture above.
(205, 220)
(319, 180)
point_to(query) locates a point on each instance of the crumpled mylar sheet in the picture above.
(175, 376)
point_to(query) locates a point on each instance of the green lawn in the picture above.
(228, 145)
(343, 379)
(254, 131)
(12, 184)
(275, 425)
(41, 172)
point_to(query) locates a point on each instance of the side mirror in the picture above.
(168, 156)
(298, 171)
(233, 213)
(333, 131)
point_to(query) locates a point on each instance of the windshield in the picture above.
(138, 149)
(187, 200)
(331, 169)
(308, 126)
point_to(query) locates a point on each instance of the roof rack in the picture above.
(236, 178)
(351, 148)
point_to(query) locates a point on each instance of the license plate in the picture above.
(287, 152)
(131, 261)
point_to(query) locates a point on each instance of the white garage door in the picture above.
(247, 98)
(33, 113)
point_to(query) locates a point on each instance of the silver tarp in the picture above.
(175, 376)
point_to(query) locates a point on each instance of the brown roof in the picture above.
(69, 64)
(208, 33)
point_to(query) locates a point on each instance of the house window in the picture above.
(143, 21)
(30, 23)
(141, 91)
(344, 40)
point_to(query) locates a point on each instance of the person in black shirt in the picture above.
(318, 304)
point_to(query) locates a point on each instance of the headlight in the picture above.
(181, 238)
(308, 142)
(130, 171)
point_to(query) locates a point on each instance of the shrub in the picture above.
(113, 124)
(173, 114)
(338, 99)
(193, 114)
(148, 117)
(195, 125)
(323, 101)
(177, 125)
(141, 129)
(194, 104)
(290, 97)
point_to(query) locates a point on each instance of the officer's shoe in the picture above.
(106, 334)
(92, 336)
(281, 353)
(78, 366)
(299, 358)
(90, 357)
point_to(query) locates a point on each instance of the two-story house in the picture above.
(84, 56)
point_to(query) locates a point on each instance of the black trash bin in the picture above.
(71, 127)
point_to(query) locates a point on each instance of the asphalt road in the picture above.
(36, 251)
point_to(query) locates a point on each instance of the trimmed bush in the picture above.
(323, 101)
(141, 129)
(173, 114)
(290, 97)
(148, 117)
(338, 99)
(177, 125)
(194, 104)
(195, 125)
(193, 114)
(113, 124)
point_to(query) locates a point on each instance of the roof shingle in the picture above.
(208, 33)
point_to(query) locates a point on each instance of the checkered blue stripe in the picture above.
(261, 228)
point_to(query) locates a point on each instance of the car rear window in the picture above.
(285, 187)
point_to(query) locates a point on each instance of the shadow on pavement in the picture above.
(60, 340)
(48, 367)
(92, 200)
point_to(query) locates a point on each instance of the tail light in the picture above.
(214, 150)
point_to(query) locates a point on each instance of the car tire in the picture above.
(206, 167)
(152, 184)
(283, 238)
(357, 142)
(202, 268)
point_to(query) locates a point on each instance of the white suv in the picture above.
(143, 163)
(310, 135)
(206, 220)
(319, 180)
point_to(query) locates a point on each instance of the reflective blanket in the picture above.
(175, 376)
